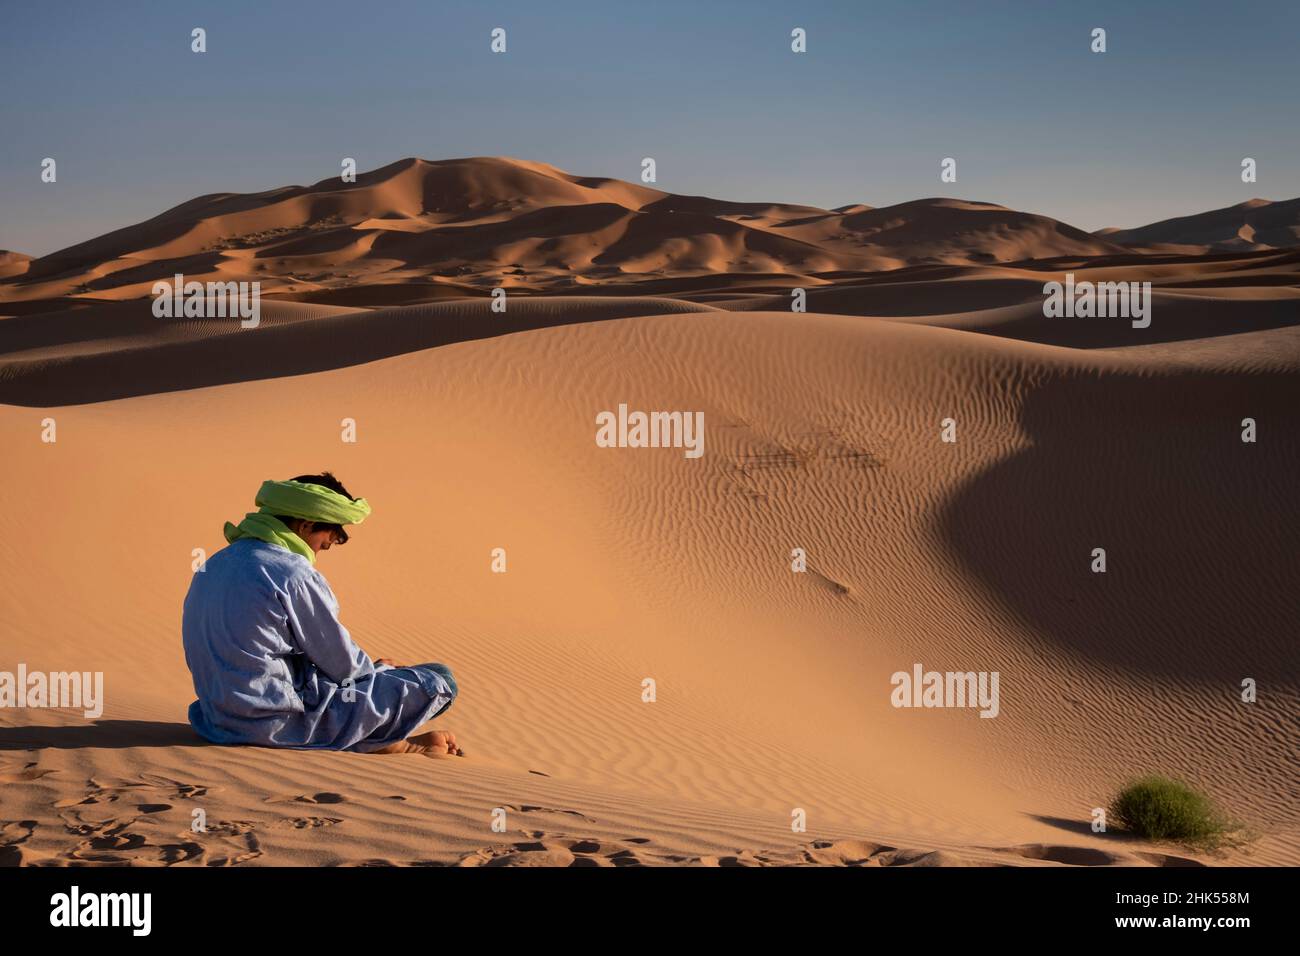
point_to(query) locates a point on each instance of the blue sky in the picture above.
(1155, 127)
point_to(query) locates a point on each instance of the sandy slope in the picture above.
(13, 263)
(1253, 224)
(80, 349)
(822, 432)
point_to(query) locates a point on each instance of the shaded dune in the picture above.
(969, 229)
(109, 327)
(13, 263)
(110, 350)
(1198, 527)
(1253, 224)
(74, 359)
(1174, 318)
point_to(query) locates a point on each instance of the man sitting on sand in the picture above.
(272, 664)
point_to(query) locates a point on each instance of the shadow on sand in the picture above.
(1200, 529)
(102, 735)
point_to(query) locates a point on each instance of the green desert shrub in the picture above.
(1158, 808)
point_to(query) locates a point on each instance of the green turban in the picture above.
(295, 499)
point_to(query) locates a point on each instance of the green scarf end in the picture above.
(270, 529)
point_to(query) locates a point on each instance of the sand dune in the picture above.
(956, 231)
(488, 221)
(13, 263)
(97, 351)
(103, 353)
(475, 430)
(773, 686)
(1253, 224)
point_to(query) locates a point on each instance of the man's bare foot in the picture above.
(437, 742)
(434, 743)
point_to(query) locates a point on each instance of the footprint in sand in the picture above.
(867, 853)
(115, 832)
(112, 841)
(12, 835)
(380, 861)
(231, 851)
(164, 787)
(1164, 859)
(540, 851)
(307, 823)
(175, 788)
(374, 861)
(533, 808)
(324, 797)
(1069, 855)
(231, 827)
(228, 843)
(1091, 856)
(12, 773)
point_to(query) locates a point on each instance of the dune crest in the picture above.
(1251, 225)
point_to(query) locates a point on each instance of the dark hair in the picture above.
(325, 479)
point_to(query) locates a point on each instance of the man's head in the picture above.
(319, 535)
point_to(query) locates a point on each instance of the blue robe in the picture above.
(273, 666)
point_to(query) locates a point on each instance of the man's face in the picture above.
(318, 540)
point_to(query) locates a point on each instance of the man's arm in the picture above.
(313, 612)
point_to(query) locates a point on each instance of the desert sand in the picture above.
(475, 431)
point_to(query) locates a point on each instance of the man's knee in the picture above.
(443, 671)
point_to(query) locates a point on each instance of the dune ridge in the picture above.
(487, 221)
(1251, 225)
